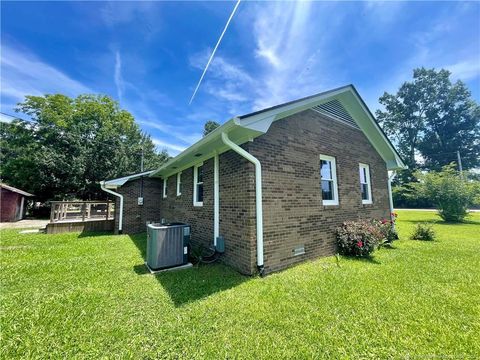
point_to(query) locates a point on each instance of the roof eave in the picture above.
(115, 183)
(215, 134)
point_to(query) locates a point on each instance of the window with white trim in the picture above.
(365, 185)
(164, 187)
(198, 185)
(328, 182)
(179, 183)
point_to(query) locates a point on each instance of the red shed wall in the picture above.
(9, 203)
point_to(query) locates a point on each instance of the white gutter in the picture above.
(216, 200)
(120, 196)
(390, 197)
(258, 194)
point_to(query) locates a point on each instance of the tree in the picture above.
(432, 117)
(448, 191)
(209, 127)
(452, 124)
(72, 144)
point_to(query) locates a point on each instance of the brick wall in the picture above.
(135, 216)
(292, 204)
(236, 183)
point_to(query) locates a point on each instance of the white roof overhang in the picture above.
(115, 183)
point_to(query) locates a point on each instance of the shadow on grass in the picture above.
(368, 259)
(189, 285)
(442, 222)
(84, 234)
(388, 247)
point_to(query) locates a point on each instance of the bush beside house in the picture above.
(451, 192)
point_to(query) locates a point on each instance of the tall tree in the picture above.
(72, 144)
(432, 117)
(452, 124)
(209, 126)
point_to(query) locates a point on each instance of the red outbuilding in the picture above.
(12, 203)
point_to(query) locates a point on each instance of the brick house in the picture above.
(273, 183)
(12, 203)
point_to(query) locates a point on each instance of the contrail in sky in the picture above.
(214, 50)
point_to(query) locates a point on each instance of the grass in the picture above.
(81, 296)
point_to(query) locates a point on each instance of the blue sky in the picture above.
(150, 55)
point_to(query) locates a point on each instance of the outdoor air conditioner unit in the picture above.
(167, 245)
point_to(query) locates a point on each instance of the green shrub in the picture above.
(423, 232)
(358, 238)
(451, 194)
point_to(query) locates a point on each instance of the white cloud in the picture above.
(118, 78)
(177, 132)
(172, 148)
(288, 55)
(465, 70)
(25, 74)
(224, 80)
(288, 47)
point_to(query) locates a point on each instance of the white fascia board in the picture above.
(114, 183)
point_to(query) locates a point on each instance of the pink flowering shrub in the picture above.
(359, 238)
(387, 228)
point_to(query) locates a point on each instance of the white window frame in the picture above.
(179, 183)
(334, 201)
(368, 183)
(165, 187)
(195, 183)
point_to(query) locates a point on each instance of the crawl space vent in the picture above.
(336, 110)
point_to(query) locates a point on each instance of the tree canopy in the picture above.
(209, 126)
(71, 144)
(434, 118)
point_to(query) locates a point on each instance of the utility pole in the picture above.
(141, 161)
(140, 202)
(460, 168)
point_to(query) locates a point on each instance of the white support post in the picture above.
(216, 200)
(390, 197)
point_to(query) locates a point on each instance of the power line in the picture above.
(14, 117)
(214, 50)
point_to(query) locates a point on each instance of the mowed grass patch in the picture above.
(89, 296)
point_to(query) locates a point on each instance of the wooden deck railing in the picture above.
(63, 211)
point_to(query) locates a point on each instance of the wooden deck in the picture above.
(81, 216)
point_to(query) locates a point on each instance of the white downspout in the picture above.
(390, 197)
(216, 200)
(22, 204)
(120, 196)
(258, 194)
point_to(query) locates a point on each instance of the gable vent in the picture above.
(336, 110)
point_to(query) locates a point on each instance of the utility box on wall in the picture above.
(140, 201)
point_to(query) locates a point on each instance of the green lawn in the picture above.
(65, 296)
